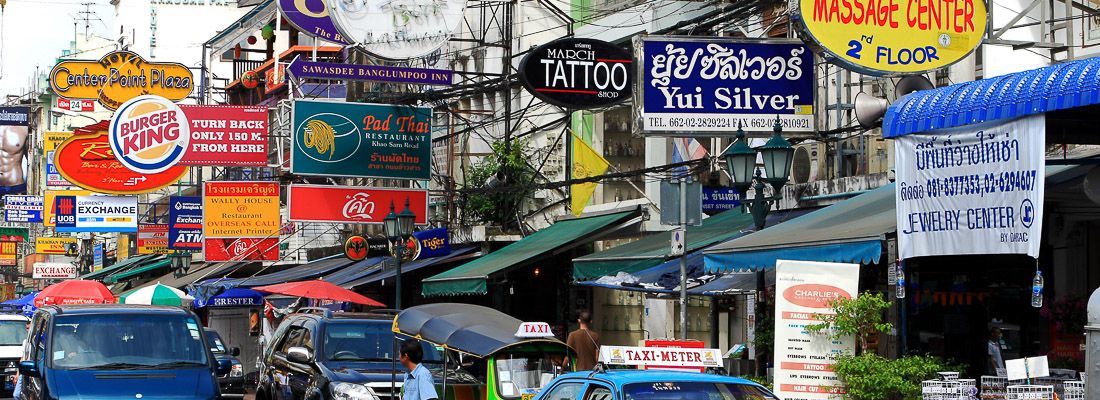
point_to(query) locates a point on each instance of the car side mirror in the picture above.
(298, 355)
(224, 367)
(235, 351)
(28, 368)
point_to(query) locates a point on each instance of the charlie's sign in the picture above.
(118, 77)
(884, 38)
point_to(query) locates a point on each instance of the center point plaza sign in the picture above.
(709, 86)
(118, 77)
(888, 37)
(397, 29)
(361, 140)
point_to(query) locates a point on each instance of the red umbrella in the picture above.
(74, 292)
(320, 290)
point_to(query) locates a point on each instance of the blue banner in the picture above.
(432, 243)
(185, 223)
(710, 85)
(22, 208)
(717, 199)
(97, 257)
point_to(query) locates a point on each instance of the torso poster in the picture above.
(804, 361)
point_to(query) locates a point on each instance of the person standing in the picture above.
(585, 342)
(418, 381)
(995, 360)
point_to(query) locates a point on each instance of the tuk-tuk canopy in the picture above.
(475, 330)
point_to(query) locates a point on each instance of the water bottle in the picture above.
(1037, 290)
(901, 281)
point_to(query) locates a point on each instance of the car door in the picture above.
(598, 391)
(35, 388)
(564, 390)
(300, 376)
(280, 366)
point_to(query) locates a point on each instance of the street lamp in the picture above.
(398, 227)
(777, 154)
(180, 262)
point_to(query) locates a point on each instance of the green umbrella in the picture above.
(161, 295)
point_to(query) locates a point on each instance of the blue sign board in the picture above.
(709, 86)
(432, 243)
(22, 208)
(718, 199)
(185, 223)
(97, 256)
(303, 69)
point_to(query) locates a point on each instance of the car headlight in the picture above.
(351, 391)
(236, 370)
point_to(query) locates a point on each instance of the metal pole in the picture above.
(683, 261)
(398, 249)
(397, 281)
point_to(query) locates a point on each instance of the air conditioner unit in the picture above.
(809, 162)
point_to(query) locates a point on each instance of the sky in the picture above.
(34, 32)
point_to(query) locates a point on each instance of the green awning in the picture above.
(116, 267)
(140, 270)
(652, 250)
(472, 277)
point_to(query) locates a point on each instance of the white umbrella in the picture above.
(158, 294)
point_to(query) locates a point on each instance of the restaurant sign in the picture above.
(976, 189)
(241, 249)
(241, 210)
(578, 73)
(86, 160)
(905, 37)
(361, 140)
(118, 77)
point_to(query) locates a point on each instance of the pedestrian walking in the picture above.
(418, 381)
(585, 342)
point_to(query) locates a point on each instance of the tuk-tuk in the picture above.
(514, 359)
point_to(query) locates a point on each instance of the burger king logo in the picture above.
(149, 134)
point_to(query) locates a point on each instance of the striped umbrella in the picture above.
(161, 295)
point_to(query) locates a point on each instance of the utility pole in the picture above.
(88, 16)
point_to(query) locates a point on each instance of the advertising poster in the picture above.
(13, 154)
(152, 239)
(96, 213)
(230, 136)
(55, 246)
(241, 210)
(18, 208)
(976, 189)
(100, 79)
(361, 140)
(803, 360)
(353, 205)
(123, 250)
(50, 142)
(707, 86)
(48, 217)
(311, 18)
(9, 253)
(245, 249)
(432, 243)
(599, 73)
(86, 159)
(54, 271)
(185, 223)
(13, 234)
(97, 256)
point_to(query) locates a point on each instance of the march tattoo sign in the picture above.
(976, 189)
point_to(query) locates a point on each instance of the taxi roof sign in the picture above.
(534, 330)
(661, 356)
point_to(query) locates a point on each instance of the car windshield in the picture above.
(694, 391)
(365, 341)
(12, 333)
(520, 374)
(127, 341)
(216, 345)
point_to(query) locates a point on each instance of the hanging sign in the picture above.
(54, 245)
(86, 160)
(185, 223)
(905, 37)
(152, 239)
(43, 270)
(243, 249)
(356, 248)
(96, 213)
(149, 134)
(361, 140)
(22, 208)
(694, 86)
(657, 357)
(432, 243)
(397, 30)
(75, 105)
(241, 210)
(9, 253)
(13, 234)
(50, 142)
(230, 136)
(976, 189)
(118, 77)
(97, 256)
(578, 73)
(352, 204)
(275, 78)
(49, 218)
(303, 69)
(311, 17)
(804, 361)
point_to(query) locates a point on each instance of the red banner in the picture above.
(232, 136)
(217, 250)
(86, 160)
(353, 205)
(76, 105)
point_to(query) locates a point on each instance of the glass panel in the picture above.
(144, 341)
(216, 345)
(12, 333)
(521, 374)
(694, 391)
(565, 391)
(353, 342)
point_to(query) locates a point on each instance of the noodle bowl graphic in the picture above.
(320, 136)
(328, 138)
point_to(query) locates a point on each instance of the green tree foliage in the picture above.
(860, 317)
(499, 205)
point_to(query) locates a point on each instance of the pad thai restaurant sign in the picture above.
(118, 77)
(892, 37)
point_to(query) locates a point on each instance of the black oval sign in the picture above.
(578, 73)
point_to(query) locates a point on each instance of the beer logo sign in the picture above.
(149, 134)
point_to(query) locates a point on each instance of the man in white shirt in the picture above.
(995, 360)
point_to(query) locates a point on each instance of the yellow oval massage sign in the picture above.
(118, 77)
(889, 37)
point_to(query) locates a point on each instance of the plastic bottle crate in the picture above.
(940, 390)
(1030, 392)
(994, 387)
(1074, 390)
(968, 389)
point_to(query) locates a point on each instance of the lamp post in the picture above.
(398, 227)
(180, 262)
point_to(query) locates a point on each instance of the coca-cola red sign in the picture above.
(245, 249)
(354, 205)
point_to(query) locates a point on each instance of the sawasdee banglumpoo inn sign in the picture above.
(887, 37)
(118, 77)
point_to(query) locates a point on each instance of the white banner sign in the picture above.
(661, 356)
(54, 271)
(804, 361)
(96, 213)
(971, 190)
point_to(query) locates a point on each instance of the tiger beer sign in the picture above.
(118, 77)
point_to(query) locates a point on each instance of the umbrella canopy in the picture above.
(233, 297)
(158, 295)
(320, 290)
(74, 292)
(25, 304)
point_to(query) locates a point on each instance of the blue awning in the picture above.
(731, 284)
(663, 278)
(211, 287)
(233, 297)
(405, 268)
(1067, 85)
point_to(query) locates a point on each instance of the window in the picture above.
(520, 374)
(694, 391)
(367, 341)
(293, 339)
(139, 341)
(12, 333)
(598, 392)
(565, 391)
(216, 344)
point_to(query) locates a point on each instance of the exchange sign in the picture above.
(118, 77)
(185, 223)
(96, 213)
(54, 271)
(352, 205)
(578, 73)
(152, 239)
(888, 38)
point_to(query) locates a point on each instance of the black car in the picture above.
(326, 355)
(232, 383)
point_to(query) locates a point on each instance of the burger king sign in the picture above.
(149, 134)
